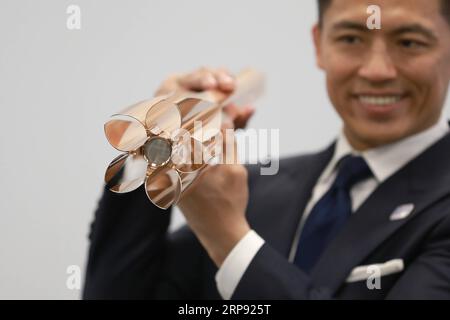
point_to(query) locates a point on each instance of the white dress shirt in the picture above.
(384, 161)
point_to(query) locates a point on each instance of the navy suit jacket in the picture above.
(133, 256)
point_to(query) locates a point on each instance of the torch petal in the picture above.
(125, 133)
(164, 116)
(188, 155)
(126, 173)
(163, 187)
(201, 118)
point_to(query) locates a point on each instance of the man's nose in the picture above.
(378, 65)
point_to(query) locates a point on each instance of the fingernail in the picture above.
(209, 81)
(227, 78)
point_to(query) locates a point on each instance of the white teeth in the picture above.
(379, 100)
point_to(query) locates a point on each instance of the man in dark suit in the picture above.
(367, 218)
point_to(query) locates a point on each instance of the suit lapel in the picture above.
(421, 182)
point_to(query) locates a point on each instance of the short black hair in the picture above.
(324, 4)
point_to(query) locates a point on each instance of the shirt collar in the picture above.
(385, 160)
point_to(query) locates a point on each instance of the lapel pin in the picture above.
(401, 212)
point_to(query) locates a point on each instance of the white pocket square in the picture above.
(381, 269)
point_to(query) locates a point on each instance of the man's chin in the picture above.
(373, 136)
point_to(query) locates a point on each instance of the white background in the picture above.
(58, 87)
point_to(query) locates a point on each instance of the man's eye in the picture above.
(408, 43)
(349, 39)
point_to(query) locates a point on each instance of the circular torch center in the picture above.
(157, 151)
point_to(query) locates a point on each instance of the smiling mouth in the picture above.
(381, 105)
(380, 100)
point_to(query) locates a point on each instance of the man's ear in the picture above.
(316, 34)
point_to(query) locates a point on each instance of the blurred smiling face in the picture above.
(390, 83)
